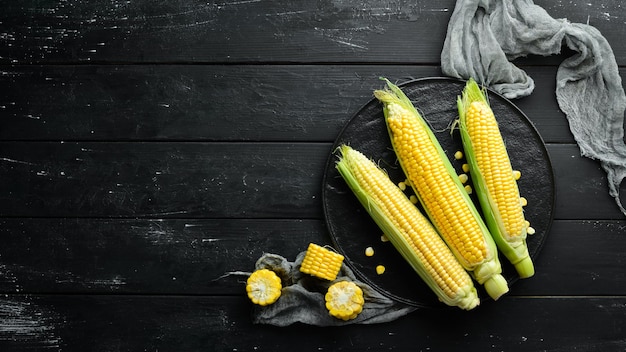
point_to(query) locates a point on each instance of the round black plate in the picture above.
(351, 228)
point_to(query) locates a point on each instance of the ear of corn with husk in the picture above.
(493, 177)
(407, 229)
(440, 191)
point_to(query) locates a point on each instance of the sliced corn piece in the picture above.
(344, 300)
(321, 262)
(263, 287)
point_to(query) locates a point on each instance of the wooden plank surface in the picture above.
(179, 102)
(191, 180)
(230, 180)
(221, 324)
(198, 256)
(143, 256)
(251, 30)
(148, 150)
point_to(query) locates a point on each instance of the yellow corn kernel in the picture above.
(413, 199)
(344, 300)
(493, 176)
(263, 287)
(408, 230)
(380, 269)
(402, 186)
(463, 178)
(458, 155)
(468, 189)
(383, 238)
(321, 262)
(523, 201)
(369, 251)
(517, 174)
(439, 190)
(530, 230)
(465, 168)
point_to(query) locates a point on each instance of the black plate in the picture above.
(351, 228)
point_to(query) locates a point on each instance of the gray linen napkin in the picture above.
(484, 35)
(302, 298)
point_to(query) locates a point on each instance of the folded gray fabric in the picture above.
(302, 298)
(484, 35)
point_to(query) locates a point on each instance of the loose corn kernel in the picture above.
(369, 251)
(321, 262)
(530, 230)
(413, 199)
(468, 189)
(517, 174)
(383, 238)
(380, 269)
(465, 167)
(463, 178)
(344, 300)
(458, 155)
(263, 287)
(402, 186)
(523, 201)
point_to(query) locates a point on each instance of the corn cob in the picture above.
(440, 191)
(407, 229)
(321, 262)
(263, 287)
(494, 178)
(344, 300)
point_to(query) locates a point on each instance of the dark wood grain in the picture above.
(228, 31)
(216, 103)
(164, 256)
(191, 256)
(580, 182)
(209, 103)
(216, 180)
(251, 31)
(221, 324)
(191, 180)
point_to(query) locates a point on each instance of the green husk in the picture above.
(346, 164)
(514, 249)
(489, 271)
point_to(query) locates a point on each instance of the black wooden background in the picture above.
(149, 147)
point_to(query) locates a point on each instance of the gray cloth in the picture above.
(484, 35)
(302, 298)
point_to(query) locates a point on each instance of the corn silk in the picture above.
(484, 36)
